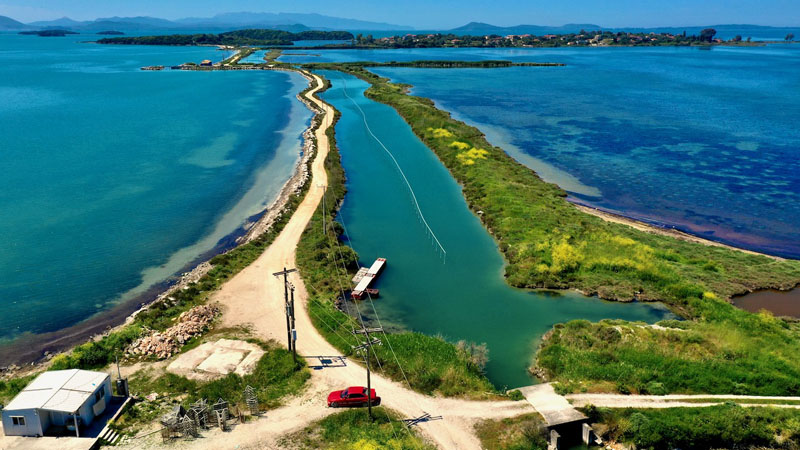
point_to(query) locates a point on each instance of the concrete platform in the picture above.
(555, 409)
(216, 359)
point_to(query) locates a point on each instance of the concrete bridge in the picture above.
(555, 408)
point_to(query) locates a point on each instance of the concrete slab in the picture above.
(216, 359)
(249, 362)
(555, 409)
(186, 362)
(223, 361)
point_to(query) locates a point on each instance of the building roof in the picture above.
(58, 390)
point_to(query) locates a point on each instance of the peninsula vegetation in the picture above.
(49, 33)
(724, 426)
(451, 64)
(430, 364)
(353, 429)
(583, 38)
(549, 243)
(257, 37)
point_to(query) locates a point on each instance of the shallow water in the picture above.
(702, 140)
(779, 303)
(257, 57)
(464, 296)
(115, 178)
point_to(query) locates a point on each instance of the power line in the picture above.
(408, 184)
(366, 330)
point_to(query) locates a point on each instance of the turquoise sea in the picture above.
(114, 179)
(462, 296)
(701, 140)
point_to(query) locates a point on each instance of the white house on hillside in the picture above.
(66, 398)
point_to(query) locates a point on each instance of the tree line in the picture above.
(237, 37)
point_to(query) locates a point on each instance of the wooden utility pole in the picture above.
(366, 347)
(324, 191)
(294, 330)
(289, 306)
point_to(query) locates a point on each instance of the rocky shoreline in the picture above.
(267, 218)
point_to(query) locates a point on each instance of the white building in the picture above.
(66, 398)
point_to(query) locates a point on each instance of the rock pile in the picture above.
(165, 344)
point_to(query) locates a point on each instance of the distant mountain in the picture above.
(479, 28)
(294, 22)
(143, 21)
(64, 22)
(315, 21)
(7, 23)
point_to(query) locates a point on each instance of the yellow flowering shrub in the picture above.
(468, 157)
(440, 133)
(458, 145)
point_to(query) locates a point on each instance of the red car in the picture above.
(352, 396)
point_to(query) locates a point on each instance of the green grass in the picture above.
(11, 387)
(525, 432)
(431, 364)
(707, 357)
(275, 376)
(352, 429)
(549, 243)
(724, 426)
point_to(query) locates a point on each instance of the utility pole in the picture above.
(294, 330)
(366, 347)
(324, 191)
(289, 306)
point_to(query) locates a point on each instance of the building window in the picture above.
(18, 421)
(100, 393)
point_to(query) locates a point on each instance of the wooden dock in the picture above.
(365, 278)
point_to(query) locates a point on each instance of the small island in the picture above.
(110, 33)
(232, 38)
(49, 33)
(599, 38)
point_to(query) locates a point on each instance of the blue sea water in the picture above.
(114, 179)
(257, 57)
(463, 295)
(703, 140)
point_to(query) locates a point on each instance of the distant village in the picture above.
(582, 39)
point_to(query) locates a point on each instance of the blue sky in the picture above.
(439, 13)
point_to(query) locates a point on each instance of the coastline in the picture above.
(568, 182)
(30, 350)
(664, 231)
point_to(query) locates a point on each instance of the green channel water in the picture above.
(465, 295)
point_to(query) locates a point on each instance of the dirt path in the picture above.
(254, 297)
(675, 401)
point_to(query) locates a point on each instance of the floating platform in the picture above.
(360, 275)
(365, 278)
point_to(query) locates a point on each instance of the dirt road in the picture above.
(254, 297)
(676, 400)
